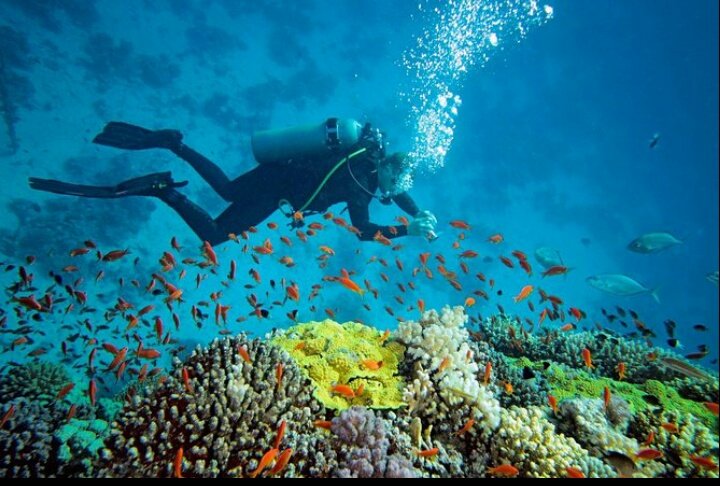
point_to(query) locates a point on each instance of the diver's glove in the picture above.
(423, 225)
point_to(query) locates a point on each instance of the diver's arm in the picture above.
(360, 219)
(406, 203)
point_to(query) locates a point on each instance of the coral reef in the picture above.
(224, 417)
(31, 445)
(37, 381)
(692, 438)
(444, 389)
(363, 444)
(607, 350)
(346, 354)
(528, 441)
(586, 421)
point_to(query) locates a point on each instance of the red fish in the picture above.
(459, 224)
(587, 358)
(92, 391)
(556, 270)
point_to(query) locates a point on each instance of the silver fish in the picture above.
(713, 277)
(548, 257)
(653, 242)
(617, 284)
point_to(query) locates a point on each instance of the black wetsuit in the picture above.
(255, 195)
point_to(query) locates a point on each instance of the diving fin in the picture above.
(132, 137)
(148, 185)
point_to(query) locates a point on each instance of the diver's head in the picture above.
(391, 174)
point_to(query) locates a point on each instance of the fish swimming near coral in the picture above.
(548, 257)
(653, 242)
(684, 368)
(618, 284)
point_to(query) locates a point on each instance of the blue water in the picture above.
(551, 148)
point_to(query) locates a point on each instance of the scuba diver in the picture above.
(301, 170)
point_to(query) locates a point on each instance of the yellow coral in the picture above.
(332, 354)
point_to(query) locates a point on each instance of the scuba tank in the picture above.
(305, 141)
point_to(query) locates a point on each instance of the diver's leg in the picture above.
(197, 218)
(207, 169)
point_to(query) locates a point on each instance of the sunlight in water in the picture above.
(464, 33)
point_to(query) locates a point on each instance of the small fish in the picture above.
(648, 454)
(700, 327)
(575, 473)
(504, 470)
(427, 452)
(587, 358)
(653, 243)
(654, 140)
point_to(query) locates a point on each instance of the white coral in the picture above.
(444, 368)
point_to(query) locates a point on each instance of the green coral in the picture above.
(82, 439)
(567, 383)
(333, 354)
(38, 381)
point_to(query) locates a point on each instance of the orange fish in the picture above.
(703, 462)
(92, 391)
(469, 302)
(650, 439)
(349, 284)
(459, 224)
(504, 470)
(466, 427)
(177, 464)
(280, 434)
(670, 427)
(265, 462)
(496, 238)
(243, 352)
(574, 473)
(587, 358)
(278, 376)
(606, 397)
(712, 406)
(323, 424)
(621, 371)
(468, 254)
(148, 353)
(568, 327)
(210, 253)
(552, 401)
(385, 336)
(186, 380)
(64, 391)
(380, 238)
(508, 388)
(8, 415)
(555, 270)
(507, 262)
(282, 461)
(648, 454)
(524, 293)
(488, 371)
(115, 255)
(427, 452)
(371, 364)
(444, 363)
(343, 390)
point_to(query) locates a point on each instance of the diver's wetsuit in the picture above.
(255, 195)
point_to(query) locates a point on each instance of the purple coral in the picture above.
(363, 448)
